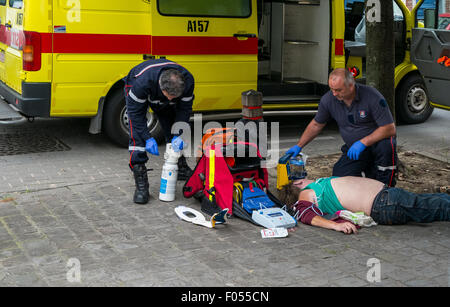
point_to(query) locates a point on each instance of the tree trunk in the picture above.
(380, 48)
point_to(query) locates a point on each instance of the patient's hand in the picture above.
(346, 227)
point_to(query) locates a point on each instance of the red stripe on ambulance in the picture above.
(203, 45)
(139, 44)
(145, 44)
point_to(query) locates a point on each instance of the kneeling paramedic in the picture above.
(168, 89)
(365, 124)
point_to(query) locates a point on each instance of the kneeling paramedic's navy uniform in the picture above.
(368, 111)
(141, 92)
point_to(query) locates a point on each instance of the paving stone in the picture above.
(38, 248)
(99, 276)
(350, 281)
(8, 209)
(421, 283)
(26, 275)
(86, 234)
(62, 238)
(34, 209)
(46, 221)
(19, 258)
(10, 251)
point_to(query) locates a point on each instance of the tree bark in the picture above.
(380, 49)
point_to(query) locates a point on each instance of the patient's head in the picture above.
(289, 193)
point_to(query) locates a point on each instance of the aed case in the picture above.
(290, 169)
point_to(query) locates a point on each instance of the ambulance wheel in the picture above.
(411, 102)
(115, 121)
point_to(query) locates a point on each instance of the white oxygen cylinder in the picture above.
(169, 174)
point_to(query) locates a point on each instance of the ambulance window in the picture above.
(17, 4)
(208, 8)
(2, 2)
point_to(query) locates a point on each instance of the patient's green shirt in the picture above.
(326, 198)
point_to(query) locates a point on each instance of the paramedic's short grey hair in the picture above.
(345, 73)
(172, 81)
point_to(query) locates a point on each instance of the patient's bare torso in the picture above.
(354, 193)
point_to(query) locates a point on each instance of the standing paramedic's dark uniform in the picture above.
(142, 91)
(368, 111)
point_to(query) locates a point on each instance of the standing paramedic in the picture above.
(365, 124)
(168, 89)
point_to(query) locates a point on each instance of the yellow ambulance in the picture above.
(67, 58)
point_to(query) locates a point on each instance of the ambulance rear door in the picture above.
(13, 39)
(216, 41)
(2, 39)
(430, 52)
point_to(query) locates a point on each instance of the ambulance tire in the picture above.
(412, 105)
(115, 121)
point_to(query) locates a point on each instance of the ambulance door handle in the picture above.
(248, 35)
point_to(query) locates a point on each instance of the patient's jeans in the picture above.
(394, 206)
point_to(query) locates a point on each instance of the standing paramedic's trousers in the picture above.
(394, 206)
(378, 161)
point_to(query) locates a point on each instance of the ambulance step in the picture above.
(297, 81)
(8, 114)
(291, 99)
(292, 87)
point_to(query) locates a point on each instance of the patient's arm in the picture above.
(346, 227)
(309, 216)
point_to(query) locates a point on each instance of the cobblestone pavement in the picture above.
(67, 219)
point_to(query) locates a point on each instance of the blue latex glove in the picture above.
(294, 151)
(177, 143)
(356, 149)
(152, 147)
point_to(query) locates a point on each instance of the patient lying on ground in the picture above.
(313, 199)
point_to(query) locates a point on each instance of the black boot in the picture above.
(184, 171)
(141, 194)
